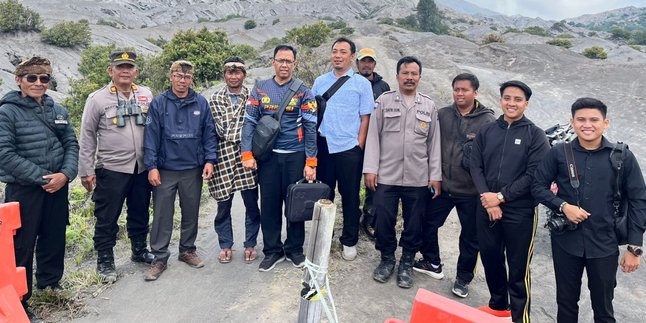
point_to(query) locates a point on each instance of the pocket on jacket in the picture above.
(392, 121)
(422, 124)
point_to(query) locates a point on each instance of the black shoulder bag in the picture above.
(321, 100)
(268, 127)
(619, 203)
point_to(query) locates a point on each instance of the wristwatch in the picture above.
(637, 251)
(500, 197)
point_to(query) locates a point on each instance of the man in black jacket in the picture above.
(38, 158)
(366, 63)
(505, 155)
(459, 124)
(590, 241)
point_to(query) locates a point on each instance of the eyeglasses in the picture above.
(32, 78)
(187, 77)
(284, 61)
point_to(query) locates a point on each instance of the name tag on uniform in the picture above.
(517, 142)
(60, 121)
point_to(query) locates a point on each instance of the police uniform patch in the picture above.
(114, 120)
(144, 108)
(149, 120)
(423, 124)
(142, 98)
(265, 100)
(313, 106)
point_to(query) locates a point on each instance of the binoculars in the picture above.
(127, 110)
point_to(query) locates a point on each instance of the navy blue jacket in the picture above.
(180, 133)
(504, 159)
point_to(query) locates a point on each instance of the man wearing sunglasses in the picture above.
(116, 114)
(38, 158)
(180, 151)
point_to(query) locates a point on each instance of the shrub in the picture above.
(592, 34)
(409, 22)
(68, 34)
(565, 36)
(159, 41)
(246, 52)
(386, 21)
(618, 33)
(566, 43)
(16, 17)
(203, 19)
(271, 43)
(275, 21)
(595, 52)
(104, 22)
(492, 38)
(249, 24)
(535, 30)
(511, 30)
(339, 24)
(346, 31)
(635, 47)
(309, 35)
(638, 37)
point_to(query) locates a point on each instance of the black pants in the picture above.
(345, 168)
(43, 218)
(602, 273)
(274, 175)
(513, 235)
(112, 189)
(437, 211)
(222, 221)
(387, 199)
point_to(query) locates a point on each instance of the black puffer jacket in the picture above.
(379, 86)
(29, 149)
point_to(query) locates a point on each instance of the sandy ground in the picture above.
(238, 292)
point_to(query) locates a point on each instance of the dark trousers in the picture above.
(43, 218)
(602, 273)
(188, 184)
(513, 235)
(112, 189)
(345, 168)
(222, 222)
(437, 211)
(274, 175)
(387, 199)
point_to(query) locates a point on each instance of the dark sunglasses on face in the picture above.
(31, 78)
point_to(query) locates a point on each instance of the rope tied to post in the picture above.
(312, 291)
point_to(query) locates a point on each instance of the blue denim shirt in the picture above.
(340, 125)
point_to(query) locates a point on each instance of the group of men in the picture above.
(492, 171)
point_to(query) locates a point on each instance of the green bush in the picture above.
(565, 36)
(618, 33)
(250, 24)
(159, 41)
(309, 35)
(272, 43)
(339, 24)
(635, 47)
(535, 30)
(566, 43)
(16, 17)
(68, 34)
(638, 37)
(386, 21)
(492, 38)
(104, 22)
(511, 30)
(246, 52)
(346, 31)
(595, 52)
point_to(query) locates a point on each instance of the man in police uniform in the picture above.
(116, 113)
(398, 171)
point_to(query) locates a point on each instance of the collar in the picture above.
(349, 72)
(399, 97)
(605, 144)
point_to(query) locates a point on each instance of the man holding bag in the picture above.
(292, 157)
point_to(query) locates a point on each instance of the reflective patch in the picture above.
(196, 112)
(517, 141)
(182, 136)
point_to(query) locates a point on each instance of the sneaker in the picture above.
(270, 261)
(497, 313)
(154, 271)
(298, 260)
(385, 269)
(425, 267)
(191, 258)
(460, 288)
(349, 253)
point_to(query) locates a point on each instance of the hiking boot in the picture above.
(270, 261)
(191, 258)
(154, 271)
(385, 268)
(140, 252)
(349, 253)
(298, 260)
(405, 270)
(498, 313)
(425, 267)
(460, 288)
(105, 266)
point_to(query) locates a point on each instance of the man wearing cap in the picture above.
(180, 151)
(38, 158)
(116, 114)
(227, 106)
(366, 62)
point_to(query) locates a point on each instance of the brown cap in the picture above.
(122, 57)
(367, 52)
(34, 65)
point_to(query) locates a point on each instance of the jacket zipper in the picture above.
(504, 145)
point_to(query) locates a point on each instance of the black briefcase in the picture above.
(301, 197)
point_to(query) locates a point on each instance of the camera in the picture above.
(557, 222)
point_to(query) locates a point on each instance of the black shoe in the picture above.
(33, 318)
(366, 227)
(425, 267)
(385, 269)
(270, 261)
(460, 288)
(405, 271)
(54, 287)
(298, 260)
(140, 252)
(105, 266)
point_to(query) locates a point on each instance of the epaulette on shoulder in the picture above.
(425, 96)
(389, 92)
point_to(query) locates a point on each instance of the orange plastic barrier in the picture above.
(13, 281)
(429, 307)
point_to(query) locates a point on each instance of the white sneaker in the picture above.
(349, 253)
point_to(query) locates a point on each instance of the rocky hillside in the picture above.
(557, 75)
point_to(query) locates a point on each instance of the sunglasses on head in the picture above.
(31, 78)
